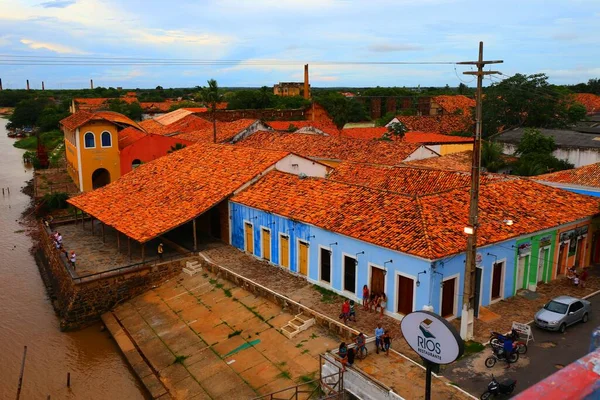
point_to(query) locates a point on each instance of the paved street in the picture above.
(549, 352)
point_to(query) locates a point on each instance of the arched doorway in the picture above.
(100, 177)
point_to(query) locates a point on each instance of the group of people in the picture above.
(383, 342)
(58, 243)
(374, 301)
(578, 279)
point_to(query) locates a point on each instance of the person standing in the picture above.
(345, 311)
(583, 277)
(160, 251)
(387, 343)
(73, 258)
(352, 315)
(365, 298)
(382, 304)
(378, 337)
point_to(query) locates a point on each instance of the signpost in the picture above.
(523, 330)
(434, 339)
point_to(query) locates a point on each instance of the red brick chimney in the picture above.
(43, 88)
(306, 85)
(27, 84)
(92, 84)
(0, 84)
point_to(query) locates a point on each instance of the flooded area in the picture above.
(98, 370)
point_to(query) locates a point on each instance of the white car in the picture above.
(561, 312)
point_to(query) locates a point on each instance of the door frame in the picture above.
(370, 275)
(481, 286)
(246, 221)
(584, 245)
(343, 289)
(547, 264)
(289, 266)
(456, 288)
(298, 241)
(502, 278)
(397, 274)
(330, 283)
(558, 266)
(516, 288)
(262, 250)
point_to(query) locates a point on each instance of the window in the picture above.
(136, 163)
(350, 274)
(576, 306)
(106, 139)
(325, 265)
(89, 140)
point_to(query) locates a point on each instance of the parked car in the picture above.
(561, 312)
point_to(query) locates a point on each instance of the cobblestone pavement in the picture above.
(95, 256)
(197, 337)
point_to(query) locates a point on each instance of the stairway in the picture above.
(192, 268)
(300, 323)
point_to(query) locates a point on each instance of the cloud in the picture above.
(58, 3)
(162, 36)
(389, 48)
(565, 36)
(57, 48)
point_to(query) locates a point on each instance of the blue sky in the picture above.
(558, 37)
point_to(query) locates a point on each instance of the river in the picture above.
(98, 369)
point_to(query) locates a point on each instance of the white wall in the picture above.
(577, 157)
(294, 164)
(421, 153)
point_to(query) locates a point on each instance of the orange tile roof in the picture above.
(328, 128)
(444, 124)
(188, 123)
(410, 137)
(588, 175)
(332, 147)
(225, 131)
(451, 104)
(196, 109)
(460, 161)
(590, 101)
(160, 106)
(90, 104)
(406, 179)
(151, 126)
(129, 135)
(81, 117)
(162, 194)
(173, 116)
(429, 226)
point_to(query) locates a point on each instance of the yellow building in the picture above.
(92, 147)
(286, 89)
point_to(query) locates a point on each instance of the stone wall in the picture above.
(81, 301)
(284, 302)
(266, 115)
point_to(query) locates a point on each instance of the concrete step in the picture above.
(290, 331)
(190, 272)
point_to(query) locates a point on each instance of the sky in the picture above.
(558, 37)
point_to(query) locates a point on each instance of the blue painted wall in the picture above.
(587, 192)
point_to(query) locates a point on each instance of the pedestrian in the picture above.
(576, 279)
(378, 337)
(350, 356)
(360, 344)
(343, 354)
(387, 343)
(345, 311)
(374, 302)
(583, 277)
(365, 298)
(59, 238)
(72, 258)
(382, 304)
(160, 251)
(352, 315)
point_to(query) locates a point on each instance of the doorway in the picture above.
(302, 258)
(497, 278)
(284, 251)
(100, 177)
(266, 244)
(215, 222)
(543, 263)
(521, 272)
(350, 274)
(562, 257)
(448, 297)
(377, 280)
(405, 294)
(579, 255)
(249, 238)
(325, 257)
(596, 248)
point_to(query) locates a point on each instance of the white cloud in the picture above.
(57, 48)
(57, 3)
(389, 48)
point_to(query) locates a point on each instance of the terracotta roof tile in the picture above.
(81, 117)
(196, 109)
(225, 131)
(323, 126)
(151, 126)
(406, 179)
(332, 148)
(451, 104)
(409, 137)
(588, 175)
(157, 106)
(429, 226)
(129, 135)
(173, 116)
(444, 124)
(460, 161)
(188, 123)
(90, 104)
(590, 101)
(167, 192)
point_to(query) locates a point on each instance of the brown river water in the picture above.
(98, 369)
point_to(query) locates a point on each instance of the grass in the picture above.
(219, 286)
(49, 139)
(285, 374)
(307, 378)
(227, 292)
(299, 345)
(234, 333)
(305, 351)
(327, 296)
(314, 336)
(180, 359)
(472, 347)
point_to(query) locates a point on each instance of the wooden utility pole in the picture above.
(21, 374)
(467, 318)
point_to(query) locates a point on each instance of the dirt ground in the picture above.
(53, 180)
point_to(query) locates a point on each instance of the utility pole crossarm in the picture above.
(468, 312)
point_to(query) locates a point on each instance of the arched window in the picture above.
(89, 140)
(106, 139)
(136, 163)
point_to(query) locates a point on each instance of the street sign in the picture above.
(524, 330)
(432, 337)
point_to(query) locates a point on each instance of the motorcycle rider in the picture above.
(507, 349)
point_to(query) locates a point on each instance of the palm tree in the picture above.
(177, 146)
(491, 156)
(211, 96)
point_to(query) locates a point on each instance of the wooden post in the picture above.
(103, 240)
(75, 212)
(92, 219)
(82, 220)
(195, 238)
(143, 252)
(129, 247)
(21, 374)
(118, 242)
(68, 379)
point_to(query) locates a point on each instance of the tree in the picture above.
(534, 142)
(524, 100)
(535, 151)
(211, 96)
(397, 129)
(342, 109)
(27, 113)
(576, 112)
(491, 156)
(177, 146)
(133, 110)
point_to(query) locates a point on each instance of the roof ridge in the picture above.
(425, 230)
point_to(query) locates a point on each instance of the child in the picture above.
(382, 304)
(72, 258)
(365, 298)
(387, 342)
(576, 280)
(378, 337)
(345, 311)
(352, 315)
(374, 302)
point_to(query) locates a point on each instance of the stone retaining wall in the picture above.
(286, 303)
(81, 301)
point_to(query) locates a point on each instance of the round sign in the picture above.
(432, 337)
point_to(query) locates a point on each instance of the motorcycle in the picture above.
(495, 388)
(497, 340)
(499, 354)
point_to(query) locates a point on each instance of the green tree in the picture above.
(535, 151)
(341, 109)
(177, 146)
(576, 113)
(491, 156)
(27, 113)
(397, 129)
(133, 110)
(211, 96)
(533, 141)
